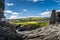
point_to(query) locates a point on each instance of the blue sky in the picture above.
(30, 8)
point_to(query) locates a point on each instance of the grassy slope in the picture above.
(32, 25)
(26, 23)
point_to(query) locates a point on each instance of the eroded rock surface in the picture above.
(51, 32)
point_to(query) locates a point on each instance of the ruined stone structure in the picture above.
(55, 17)
(2, 6)
(7, 31)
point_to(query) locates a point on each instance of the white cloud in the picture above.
(37, 0)
(33, 16)
(33, 0)
(5, 14)
(57, 10)
(45, 14)
(25, 10)
(8, 11)
(9, 4)
(14, 17)
(15, 13)
(17, 16)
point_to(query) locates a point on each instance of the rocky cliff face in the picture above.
(51, 32)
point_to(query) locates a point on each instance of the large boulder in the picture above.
(51, 32)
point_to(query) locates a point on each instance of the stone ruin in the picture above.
(2, 6)
(55, 17)
(7, 31)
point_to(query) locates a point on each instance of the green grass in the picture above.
(32, 25)
(23, 23)
(26, 23)
(43, 24)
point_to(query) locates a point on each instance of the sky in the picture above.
(15, 9)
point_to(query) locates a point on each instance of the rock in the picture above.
(7, 31)
(53, 18)
(51, 32)
(23, 29)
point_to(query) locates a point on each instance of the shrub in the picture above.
(43, 24)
